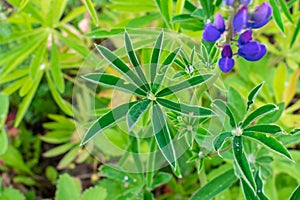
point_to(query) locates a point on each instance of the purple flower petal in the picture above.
(219, 23)
(252, 51)
(262, 13)
(211, 33)
(255, 25)
(228, 2)
(226, 64)
(240, 19)
(227, 51)
(245, 37)
(245, 2)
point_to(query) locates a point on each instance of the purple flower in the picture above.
(245, 2)
(261, 15)
(212, 32)
(240, 19)
(219, 23)
(245, 37)
(252, 51)
(228, 2)
(226, 63)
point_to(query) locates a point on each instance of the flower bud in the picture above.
(240, 19)
(261, 15)
(228, 2)
(252, 51)
(211, 33)
(219, 23)
(245, 37)
(226, 64)
(227, 51)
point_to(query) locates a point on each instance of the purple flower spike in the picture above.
(261, 15)
(245, 37)
(245, 2)
(252, 51)
(240, 19)
(211, 33)
(226, 64)
(227, 51)
(228, 2)
(219, 23)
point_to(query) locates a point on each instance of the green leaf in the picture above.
(23, 4)
(259, 112)
(96, 192)
(162, 135)
(136, 112)
(4, 102)
(215, 186)
(248, 191)
(269, 141)
(272, 129)
(165, 8)
(3, 141)
(279, 82)
(164, 69)
(286, 11)
(155, 56)
(199, 13)
(252, 95)
(277, 15)
(23, 107)
(224, 108)
(185, 109)
(242, 162)
(114, 82)
(296, 32)
(58, 150)
(67, 188)
(73, 14)
(120, 66)
(260, 186)
(107, 120)
(134, 60)
(272, 117)
(36, 63)
(186, 84)
(68, 158)
(104, 33)
(160, 179)
(55, 68)
(237, 103)
(57, 9)
(221, 139)
(11, 194)
(296, 194)
(207, 7)
(63, 104)
(90, 7)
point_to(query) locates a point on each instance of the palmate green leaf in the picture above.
(296, 32)
(20, 35)
(4, 102)
(120, 66)
(162, 135)
(160, 179)
(63, 104)
(107, 120)
(155, 56)
(28, 99)
(252, 95)
(236, 101)
(58, 150)
(73, 14)
(268, 141)
(151, 163)
(296, 194)
(165, 8)
(260, 186)
(136, 112)
(221, 139)
(134, 60)
(259, 112)
(23, 4)
(248, 191)
(164, 69)
(224, 108)
(286, 11)
(3, 141)
(37, 61)
(185, 109)
(13, 76)
(215, 186)
(114, 82)
(277, 15)
(186, 84)
(90, 7)
(242, 162)
(68, 158)
(272, 129)
(272, 117)
(55, 68)
(208, 7)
